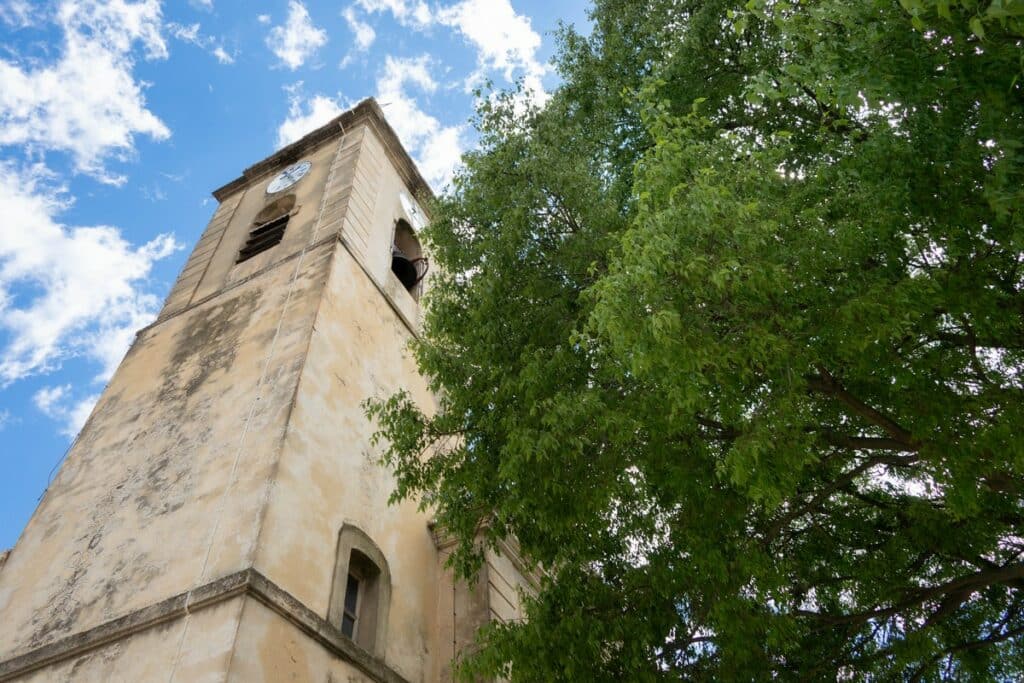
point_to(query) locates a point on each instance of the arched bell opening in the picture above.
(407, 260)
(268, 227)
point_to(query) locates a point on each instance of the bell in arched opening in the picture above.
(407, 261)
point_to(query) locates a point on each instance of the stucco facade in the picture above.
(193, 531)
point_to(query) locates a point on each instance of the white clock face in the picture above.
(289, 177)
(415, 213)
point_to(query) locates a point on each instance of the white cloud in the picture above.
(48, 398)
(116, 24)
(436, 147)
(398, 72)
(78, 414)
(88, 102)
(363, 32)
(19, 13)
(223, 56)
(298, 39)
(263, 18)
(305, 114)
(191, 33)
(505, 41)
(5, 419)
(414, 13)
(66, 290)
(56, 403)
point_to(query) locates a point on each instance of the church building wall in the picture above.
(205, 522)
(186, 452)
(330, 474)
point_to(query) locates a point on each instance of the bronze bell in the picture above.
(403, 268)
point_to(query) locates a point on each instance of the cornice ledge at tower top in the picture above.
(367, 111)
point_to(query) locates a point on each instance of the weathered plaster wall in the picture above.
(329, 473)
(233, 436)
(165, 486)
(203, 656)
(270, 649)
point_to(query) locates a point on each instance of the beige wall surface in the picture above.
(269, 649)
(202, 650)
(164, 488)
(505, 587)
(329, 473)
(233, 436)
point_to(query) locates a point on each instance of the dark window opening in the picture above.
(263, 237)
(269, 227)
(407, 260)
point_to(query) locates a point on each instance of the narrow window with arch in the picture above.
(361, 591)
(268, 227)
(407, 260)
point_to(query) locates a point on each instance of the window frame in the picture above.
(358, 556)
(351, 614)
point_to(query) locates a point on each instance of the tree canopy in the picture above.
(729, 335)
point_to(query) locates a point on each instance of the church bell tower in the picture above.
(222, 516)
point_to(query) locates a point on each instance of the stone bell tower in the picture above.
(222, 515)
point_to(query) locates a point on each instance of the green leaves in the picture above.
(730, 339)
(977, 28)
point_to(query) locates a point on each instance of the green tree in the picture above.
(730, 336)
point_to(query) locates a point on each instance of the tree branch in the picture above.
(825, 383)
(986, 577)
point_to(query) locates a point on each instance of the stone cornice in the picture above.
(366, 112)
(248, 582)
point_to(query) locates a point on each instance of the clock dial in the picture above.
(289, 177)
(413, 210)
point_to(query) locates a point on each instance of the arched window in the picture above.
(361, 591)
(268, 227)
(407, 260)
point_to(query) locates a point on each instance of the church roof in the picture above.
(366, 112)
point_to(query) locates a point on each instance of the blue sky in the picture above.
(117, 119)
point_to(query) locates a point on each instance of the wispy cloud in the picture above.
(66, 290)
(415, 13)
(362, 31)
(504, 40)
(88, 103)
(437, 147)
(192, 33)
(305, 114)
(223, 56)
(297, 39)
(57, 403)
(19, 13)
